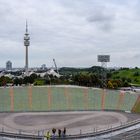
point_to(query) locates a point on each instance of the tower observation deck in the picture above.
(26, 44)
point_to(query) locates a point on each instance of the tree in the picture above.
(115, 85)
(26, 80)
(110, 85)
(4, 80)
(136, 73)
(126, 84)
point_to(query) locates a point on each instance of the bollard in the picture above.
(80, 131)
(94, 130)
(38, 132)
(2, 129)
(19, 132)
(108, 127)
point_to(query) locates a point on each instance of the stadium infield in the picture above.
(76, 122)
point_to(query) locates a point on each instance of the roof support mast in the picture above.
(55, 66)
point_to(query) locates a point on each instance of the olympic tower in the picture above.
(26, 44)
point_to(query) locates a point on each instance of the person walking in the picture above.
(48, 135)
(53, 133)
(59, 133)
(64, 132)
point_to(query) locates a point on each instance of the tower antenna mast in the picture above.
(26, 44)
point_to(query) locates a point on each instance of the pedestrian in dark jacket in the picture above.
(59, 133)
(53, 133)
(64, 132)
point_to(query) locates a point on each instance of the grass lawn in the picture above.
(132, 74)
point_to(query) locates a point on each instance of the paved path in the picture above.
(86, 121)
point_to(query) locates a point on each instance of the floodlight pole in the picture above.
(104, 64)
(104, 75)
(104, 59)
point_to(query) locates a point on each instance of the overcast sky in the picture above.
(73, 32)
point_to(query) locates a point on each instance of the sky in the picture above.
(73, 32)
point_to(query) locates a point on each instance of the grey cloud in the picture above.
(104, 20)
(100, 17)
(72, 31)
(136, 56)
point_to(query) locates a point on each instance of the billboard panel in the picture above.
(103, 58)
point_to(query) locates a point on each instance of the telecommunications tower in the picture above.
(104, 59)
(26, 44)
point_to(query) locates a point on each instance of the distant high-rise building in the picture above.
(26, 44)
(8, 65)
(43, 66)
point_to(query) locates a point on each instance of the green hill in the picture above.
(127, 76)
(130, 75)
